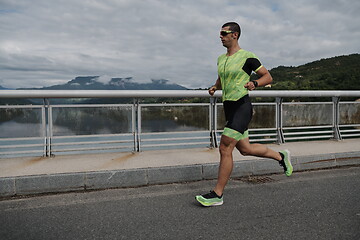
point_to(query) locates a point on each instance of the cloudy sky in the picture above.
(48, 42)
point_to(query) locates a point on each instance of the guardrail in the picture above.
(139, 126)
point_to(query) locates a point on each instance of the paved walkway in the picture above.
(33, 175)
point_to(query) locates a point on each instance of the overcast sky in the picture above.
(48, 42)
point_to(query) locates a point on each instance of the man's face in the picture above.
(227, 36)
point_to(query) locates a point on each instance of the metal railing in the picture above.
(196, 124)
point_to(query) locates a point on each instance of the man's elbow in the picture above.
(270, 79)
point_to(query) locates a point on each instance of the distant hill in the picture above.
(337, 73)
(99, 83)
(2, 88)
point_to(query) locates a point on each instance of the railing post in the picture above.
(49, 128)
(138, 128)
(336, 118)
(213, 122)
(279, 121)
(44, 125)
(133, 123)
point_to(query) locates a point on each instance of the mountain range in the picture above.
(101, 83)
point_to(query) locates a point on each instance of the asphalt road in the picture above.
(309, 205)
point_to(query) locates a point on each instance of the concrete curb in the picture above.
(68, 182)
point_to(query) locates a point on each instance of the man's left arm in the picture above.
(265, 78)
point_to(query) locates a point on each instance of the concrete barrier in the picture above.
(82, 181)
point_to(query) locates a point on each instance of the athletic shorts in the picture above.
(238, 115)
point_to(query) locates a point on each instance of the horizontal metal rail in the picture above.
(173, 139)
(89, 149)
(138, 137)
(174, 144)
(94, 135)
(20, 139)
(21, 146)
(21, 152)
(163, 93)
(21, 106)
(174, 132)
(87, 143)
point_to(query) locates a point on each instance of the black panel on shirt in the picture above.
(251, 64)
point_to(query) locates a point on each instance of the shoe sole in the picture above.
(208, 204)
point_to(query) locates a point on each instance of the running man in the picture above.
(234, 70)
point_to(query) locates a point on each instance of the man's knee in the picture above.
(227, 145)
(225, 149)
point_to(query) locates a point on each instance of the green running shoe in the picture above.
(286, 162)
(210, 199)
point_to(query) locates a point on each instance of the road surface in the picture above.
(321, 204)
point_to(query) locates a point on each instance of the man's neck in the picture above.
(233, 49)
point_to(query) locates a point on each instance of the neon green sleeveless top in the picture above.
(235, 71)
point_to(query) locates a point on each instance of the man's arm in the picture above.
(265, 78)
(216, 86)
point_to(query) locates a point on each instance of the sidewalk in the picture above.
(35, 175)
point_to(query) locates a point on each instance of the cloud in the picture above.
(105, 79)
(50, 42)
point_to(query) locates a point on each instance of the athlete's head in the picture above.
(234, 27)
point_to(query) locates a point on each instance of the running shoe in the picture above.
(286, 162)
(210, 199)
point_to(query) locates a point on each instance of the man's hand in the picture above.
(212, 90)
(250, 86)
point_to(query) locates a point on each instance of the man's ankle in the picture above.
(217, 193)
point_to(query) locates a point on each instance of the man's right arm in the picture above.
(216, 86)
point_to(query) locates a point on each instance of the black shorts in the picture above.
(238, 114)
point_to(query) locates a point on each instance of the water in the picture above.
(13, 129)
(82, 127)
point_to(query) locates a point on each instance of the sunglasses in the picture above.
(225, 32)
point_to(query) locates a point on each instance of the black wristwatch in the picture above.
(255, 83)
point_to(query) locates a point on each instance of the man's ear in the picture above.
(236, 34)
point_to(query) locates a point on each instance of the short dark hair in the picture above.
(233, 26)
